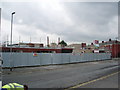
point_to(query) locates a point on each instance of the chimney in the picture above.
(58, 40)
(30, 39)
(47, 41)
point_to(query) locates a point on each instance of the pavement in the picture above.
(65, 76)
(44, 68)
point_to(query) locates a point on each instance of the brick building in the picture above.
(111, 46)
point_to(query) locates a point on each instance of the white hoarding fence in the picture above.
(35, 59)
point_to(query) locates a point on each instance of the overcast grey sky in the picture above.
(74, 22)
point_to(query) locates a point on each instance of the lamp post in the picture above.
(11, 41)
(12, 25)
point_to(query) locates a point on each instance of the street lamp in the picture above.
(11, 40)
(12, 25)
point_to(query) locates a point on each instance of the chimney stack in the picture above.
(47, 41)
(58, 40)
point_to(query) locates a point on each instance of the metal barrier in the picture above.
(29, 59)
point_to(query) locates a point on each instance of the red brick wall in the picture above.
(115, 50)
(7, 49)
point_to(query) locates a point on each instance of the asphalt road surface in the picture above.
(66, 76)
(111, 82)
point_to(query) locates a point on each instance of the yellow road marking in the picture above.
(77, 86)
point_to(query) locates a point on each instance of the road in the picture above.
(111, 82)
(65, 76)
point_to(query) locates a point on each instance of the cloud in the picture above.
(72, 21)
(92, 20)
(25, 32)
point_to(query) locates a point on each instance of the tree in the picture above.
(63, 43)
